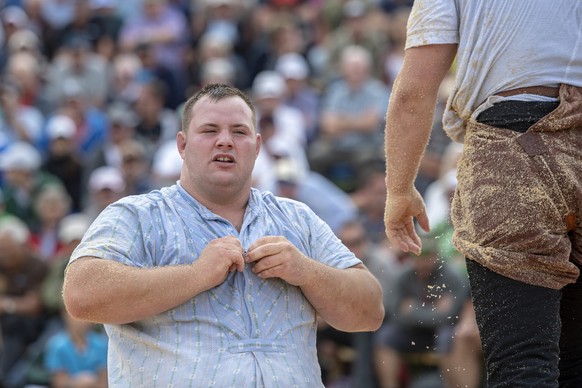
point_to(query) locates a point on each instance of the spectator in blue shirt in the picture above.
(77, 355)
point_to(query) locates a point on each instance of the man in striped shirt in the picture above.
(210, 282)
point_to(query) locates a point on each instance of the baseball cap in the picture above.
(20, 156)
(269, 84)
(23, 39)
(60, 126)
(15, 15)
(293, 66)
(73, 226)
(106, 177)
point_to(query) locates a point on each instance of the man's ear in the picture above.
(181, 143)
(259, 144)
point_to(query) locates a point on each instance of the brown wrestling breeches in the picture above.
(517, 209)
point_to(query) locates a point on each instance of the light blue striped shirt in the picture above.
(246, 332)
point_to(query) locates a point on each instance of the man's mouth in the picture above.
(226, 159)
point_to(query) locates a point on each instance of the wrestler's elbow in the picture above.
(77, 295)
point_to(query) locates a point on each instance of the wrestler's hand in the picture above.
(276, 257)
(219, 257)
(399, 220)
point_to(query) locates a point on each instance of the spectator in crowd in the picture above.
(124, 81)
(76, 61)
(18, 122)
(77, 355)
(264, 173)
(326, 200)
(90, 121)
(122, 121)
(162, 26)
(135, 167)
(370, 198)
(213, 18)
(385, 267)
(21, 310)
(156, 123)
(106, 185)
(52, 204)
(70, 232)
(299, 93)
(355, 30)
(62, 159)
(28, 72)
(107, 23)
(215, 45)
(281, 35)
(289, 130)
(13, 19)
(217, 70)
(291, 270)
(427, 300)
(23, 180)
(25, 40)
(155, 71)
(352, 117)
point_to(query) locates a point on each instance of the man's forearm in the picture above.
(349, 300)
(408, 125)
(104, 291)
(411, 111)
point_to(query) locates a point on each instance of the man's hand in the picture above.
(221, 256)
(399, 220)
(276, 257)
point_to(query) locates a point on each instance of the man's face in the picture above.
(220, 147)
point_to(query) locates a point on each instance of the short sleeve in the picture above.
(119, 233)
(432, 22)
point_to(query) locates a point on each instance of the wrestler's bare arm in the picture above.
(105, 291)
(408, 125)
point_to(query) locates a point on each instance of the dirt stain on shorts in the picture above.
(517, 209)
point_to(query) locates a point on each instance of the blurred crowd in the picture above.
(91, 96)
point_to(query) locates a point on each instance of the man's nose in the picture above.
(224, 139)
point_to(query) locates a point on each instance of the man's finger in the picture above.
(423, 221)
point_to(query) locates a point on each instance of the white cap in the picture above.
(23, 39)
(286, 170)
(73, 226)
(15, 228)
(293, 66)
(60, 126)
(269, 84)
(14, 14)
(20, 156)
(106, 177)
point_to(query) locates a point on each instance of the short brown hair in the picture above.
(214, 92)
